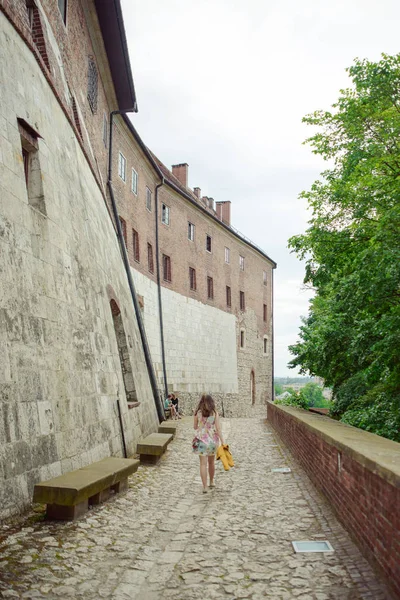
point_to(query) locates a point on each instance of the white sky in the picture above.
(223, 85)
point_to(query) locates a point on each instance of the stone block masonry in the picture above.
(60, 367)
(358, 472)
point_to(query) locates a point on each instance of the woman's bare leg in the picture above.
(211, 468)
(203, 471)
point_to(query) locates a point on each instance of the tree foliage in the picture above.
(351, 336)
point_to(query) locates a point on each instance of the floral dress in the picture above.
(206, 441)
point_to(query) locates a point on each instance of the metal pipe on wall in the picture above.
(149, 364)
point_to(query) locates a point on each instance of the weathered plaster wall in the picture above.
(60, 374)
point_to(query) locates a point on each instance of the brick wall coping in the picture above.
(375, 453)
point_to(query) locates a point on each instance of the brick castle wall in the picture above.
(365, 497)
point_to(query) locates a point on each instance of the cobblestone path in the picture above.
(164, 539)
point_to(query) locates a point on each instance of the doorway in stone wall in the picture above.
(253, 387)
(123, 351)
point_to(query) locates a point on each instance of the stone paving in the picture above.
(164, 539)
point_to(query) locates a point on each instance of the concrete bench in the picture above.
(152, 447)
(69, 496)
(167, 427)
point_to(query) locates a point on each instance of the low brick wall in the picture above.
(358, 472)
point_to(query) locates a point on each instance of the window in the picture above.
(92, 84)
(166, 261)
(265, 345)
(241, 263)
(123, 229)
(136, 250)
(105, 130)
(134, 181)
(208, 243)
(32, 171)
(210, 288)
(242, 338)
(242, 304)
(190, 232)
(228, 296)
(165, 214)
(265, 280)
(30, 9)
(192, 279)
(150, 261)
(227, 255)
(264, 312)
(148, 199)
(122, 166)
(62, 5)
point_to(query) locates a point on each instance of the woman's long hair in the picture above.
(206, 406)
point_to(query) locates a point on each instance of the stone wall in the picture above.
(359, 473)
(60, 266)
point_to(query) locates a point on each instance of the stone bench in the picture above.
(167, 427)
(152, 447)
(69, 496)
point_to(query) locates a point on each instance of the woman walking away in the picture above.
(208, 433)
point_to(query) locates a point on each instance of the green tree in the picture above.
(278, 387)
(312, 395)
(351, 336)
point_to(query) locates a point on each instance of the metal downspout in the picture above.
(149, 364)
(160, 312)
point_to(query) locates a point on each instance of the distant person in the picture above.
(175, 402)
(208, 438)
(169, 406)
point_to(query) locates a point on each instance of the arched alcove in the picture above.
(123, 352)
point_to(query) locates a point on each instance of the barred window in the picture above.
(148, 199)
(150, 261)
(123, 228)
(165, 214)
(192, 278)
(242, 303)
(166, 260)
(92, 84)
(228, 296)
(136, 250)
(190, 231)
(210, 288)
(105, 130)
(134, 181)
(122, 166)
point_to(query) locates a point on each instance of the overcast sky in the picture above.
(223, 85)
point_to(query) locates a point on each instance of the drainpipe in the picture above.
(159, 290)
(149, 364)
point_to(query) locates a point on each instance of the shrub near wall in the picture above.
(358, 472)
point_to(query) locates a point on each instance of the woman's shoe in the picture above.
(212, 485)
(205, 490)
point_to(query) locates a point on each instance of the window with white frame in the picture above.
(227, 255)
(265, 278)
(105, 130)
(134, 181)
(190, 231)
(164, 214)
(241, 263)
(148, 199)
(122, 166)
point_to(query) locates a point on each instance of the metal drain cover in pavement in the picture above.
(282, 470)
(312, 547)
